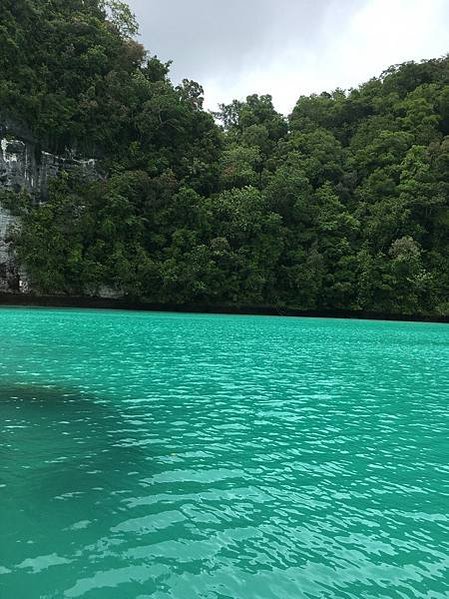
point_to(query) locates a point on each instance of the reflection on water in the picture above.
(61, 455)
(152, 455)
(63, 440)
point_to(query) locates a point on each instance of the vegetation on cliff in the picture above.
(342, 205)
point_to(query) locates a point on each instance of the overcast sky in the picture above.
(288, 47)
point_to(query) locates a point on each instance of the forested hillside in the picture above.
(342, 205)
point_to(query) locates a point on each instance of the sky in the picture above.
(288, 48)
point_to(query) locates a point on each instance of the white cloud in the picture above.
(290, 47)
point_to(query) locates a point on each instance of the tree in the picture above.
(121, 16)
(343, 205)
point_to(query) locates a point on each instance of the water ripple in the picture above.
(179, 456)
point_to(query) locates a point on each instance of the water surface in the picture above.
(177, 456)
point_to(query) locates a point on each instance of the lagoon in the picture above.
(181, 456)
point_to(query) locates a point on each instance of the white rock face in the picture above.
(23, 166)
(8, 275)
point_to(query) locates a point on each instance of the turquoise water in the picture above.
(178, 456)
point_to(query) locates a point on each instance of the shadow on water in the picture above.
(66, 460)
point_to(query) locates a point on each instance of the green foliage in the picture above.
(120, 15)
(344, 205)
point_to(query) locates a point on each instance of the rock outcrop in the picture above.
(25, 166)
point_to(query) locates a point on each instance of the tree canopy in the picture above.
(342, 205)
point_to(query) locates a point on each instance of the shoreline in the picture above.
(35, 301)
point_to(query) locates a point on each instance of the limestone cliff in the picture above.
(25, 166)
